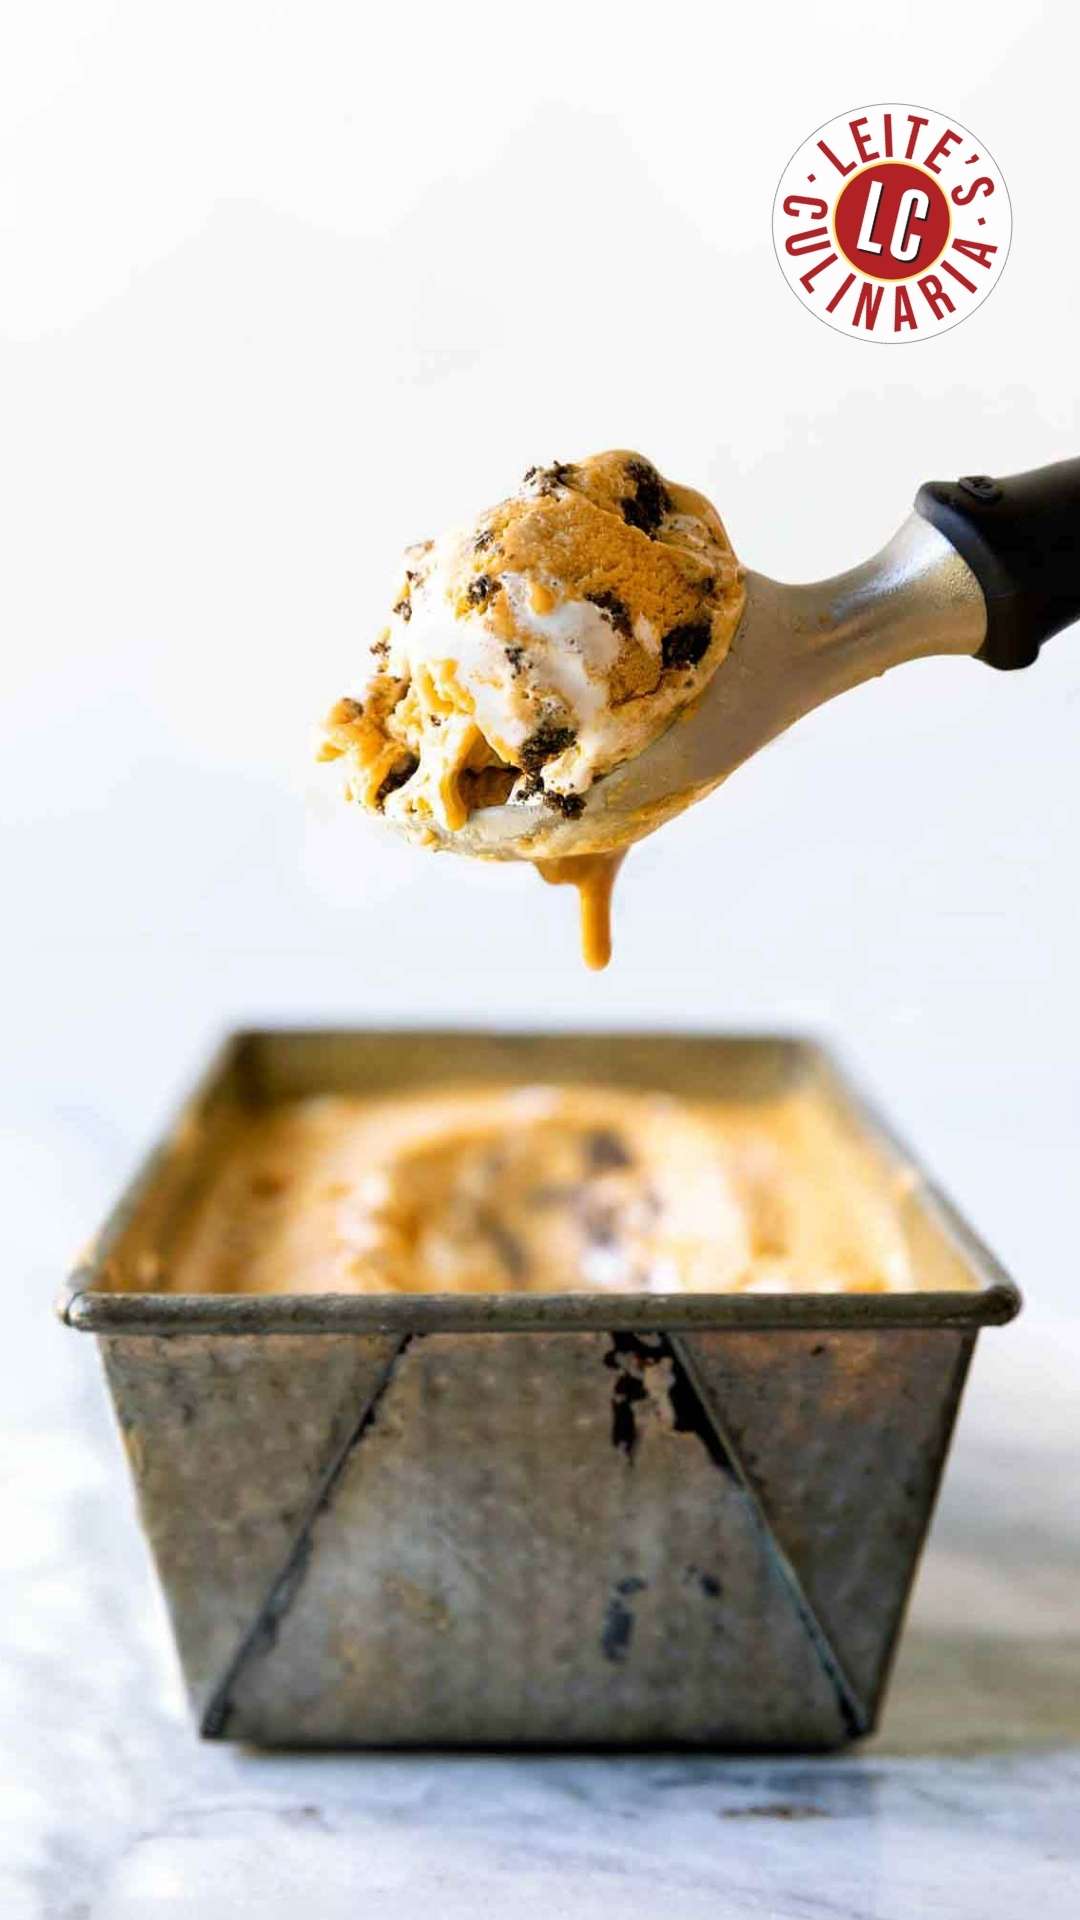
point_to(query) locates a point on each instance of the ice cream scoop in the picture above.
(983, 567)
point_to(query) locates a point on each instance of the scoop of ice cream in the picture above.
(529, 653)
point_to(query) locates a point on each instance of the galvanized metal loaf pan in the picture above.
(548, 1520)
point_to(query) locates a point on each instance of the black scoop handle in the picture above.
(1021, 538)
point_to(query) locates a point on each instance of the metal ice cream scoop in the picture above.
(984, 567)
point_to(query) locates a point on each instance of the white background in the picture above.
(285, 286)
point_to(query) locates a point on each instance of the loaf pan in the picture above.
(548, 1520)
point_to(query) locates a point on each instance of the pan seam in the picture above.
(289, 1578)
(853, 1711)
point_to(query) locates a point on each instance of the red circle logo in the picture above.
(892, 223)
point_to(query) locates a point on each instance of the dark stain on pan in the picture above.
(618, 1628)
(630, 1357)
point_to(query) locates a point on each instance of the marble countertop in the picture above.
(966, 1802)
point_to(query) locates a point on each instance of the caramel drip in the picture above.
(593, 874)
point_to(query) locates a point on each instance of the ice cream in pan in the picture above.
(544, 1189)
(587, 658)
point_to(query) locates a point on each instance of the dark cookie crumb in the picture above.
(604, 1151)
(482, 589)
(506, 1244)
(570, 805)
(404, 607)
(484, 539)
(530, 784)
(516, 656)
(381, 648)
(544, 744)
(685, 645)
(561, 473)
(397, 777)
(650, 500)
(617, 611)
(598, 1225)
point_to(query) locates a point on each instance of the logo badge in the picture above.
(892, 223)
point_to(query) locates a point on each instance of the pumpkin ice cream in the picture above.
(532, 651)
(540, 1189)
